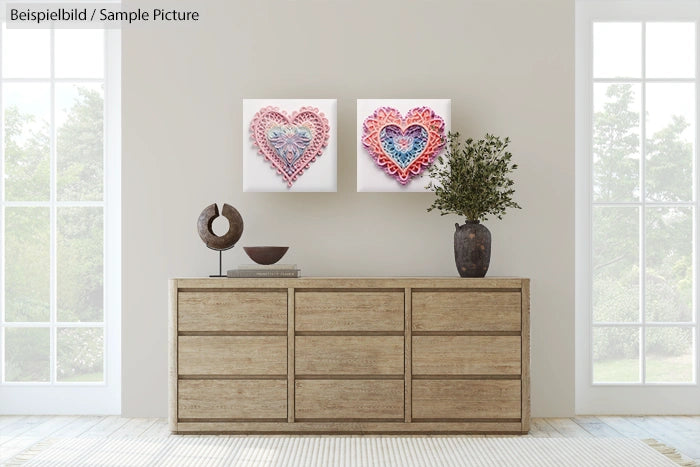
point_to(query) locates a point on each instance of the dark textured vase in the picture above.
(472, 249)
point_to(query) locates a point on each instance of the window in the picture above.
(636, 206)
(59, 218)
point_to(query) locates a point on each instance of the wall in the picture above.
(508, 67)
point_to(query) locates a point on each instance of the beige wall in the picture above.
(508, 67)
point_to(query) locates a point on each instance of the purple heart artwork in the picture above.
(290, 143)
(403, 146)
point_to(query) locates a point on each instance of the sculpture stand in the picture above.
(221, 272)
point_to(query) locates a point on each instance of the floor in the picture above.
(17, 433)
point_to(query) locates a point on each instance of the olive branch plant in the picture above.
(471, 178)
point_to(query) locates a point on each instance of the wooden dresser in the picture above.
(350, 355)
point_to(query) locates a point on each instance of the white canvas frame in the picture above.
(258, 174)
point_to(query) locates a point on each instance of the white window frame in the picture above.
(621, 398)
(80, 398)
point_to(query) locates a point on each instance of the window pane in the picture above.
(79, 264)
(80, 354)
(79, 145)
(79, 53)
(670, 50)
(669, 264)
(615, 264)
(18, 45)
(26, 109)
(27, 354)
(670, 137)
(617, 50)
(669, 355)
(27, 264)
(615, 355)
(616, 142)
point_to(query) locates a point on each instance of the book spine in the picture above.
(256, 273)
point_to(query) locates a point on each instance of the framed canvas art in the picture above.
(397, 140)
(289, 145)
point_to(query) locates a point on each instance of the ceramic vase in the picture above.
(472, 249)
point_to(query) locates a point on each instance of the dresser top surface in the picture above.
(354, 282)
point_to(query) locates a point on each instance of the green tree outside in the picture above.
(616, 263)
(79, 167)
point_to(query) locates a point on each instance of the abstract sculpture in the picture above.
(223, 242)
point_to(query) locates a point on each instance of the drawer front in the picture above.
(466, 311)
(466, 399)
(466, 355)
(232, 399)
(232, 355)
(349, 311)
(349, 355)
(232, 311)
(349, 399)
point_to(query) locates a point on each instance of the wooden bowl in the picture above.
(266, 254)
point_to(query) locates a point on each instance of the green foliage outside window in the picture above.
(668, 273)
(79, 240)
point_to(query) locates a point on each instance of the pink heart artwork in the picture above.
(290, 143)
(403, 146)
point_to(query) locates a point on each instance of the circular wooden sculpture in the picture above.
(225, 241)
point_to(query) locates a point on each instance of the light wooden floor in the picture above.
(18, 433)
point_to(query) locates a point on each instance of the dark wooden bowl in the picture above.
(266, 254)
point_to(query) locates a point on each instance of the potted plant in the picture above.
(471, 179)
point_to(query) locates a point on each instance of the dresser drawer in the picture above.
(466, 399)
(232, 399)
(349, 355)
(349, 311)
(232, 355)
(466, 355)
(232, 311)
(349, 399)
(466, 311)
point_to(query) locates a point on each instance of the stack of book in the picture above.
(259, 270)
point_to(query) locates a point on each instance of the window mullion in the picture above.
(106, 101)
(631, 324)
(52, 216)
(2, 222)
(642, 212)
(696, 230)
(590, 203)
(56, 80)
(658, 204)
(640, 80)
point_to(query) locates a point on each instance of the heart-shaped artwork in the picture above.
(290, 143)
(403, 146)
